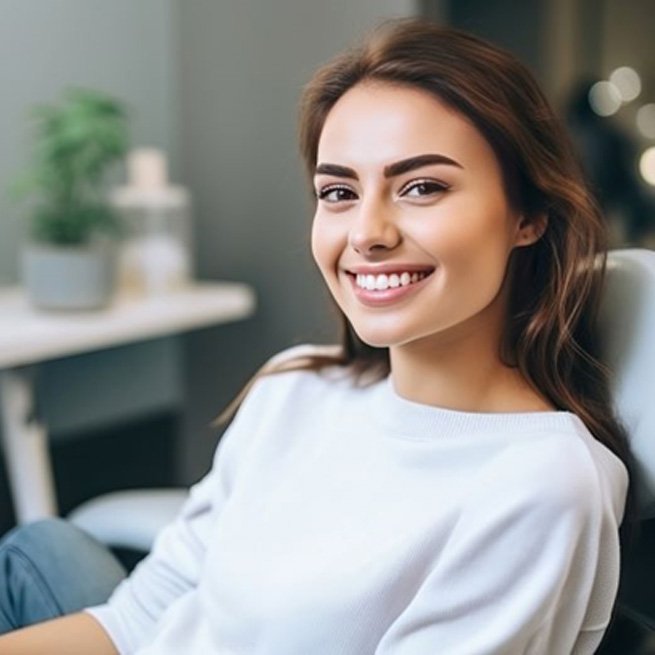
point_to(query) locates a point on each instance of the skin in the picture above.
(450, 217)
(77, 634)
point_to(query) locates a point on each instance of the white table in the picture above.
(29, 336)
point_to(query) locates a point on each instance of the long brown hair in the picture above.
(555, 283)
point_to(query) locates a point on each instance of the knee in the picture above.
(41, 531)
(49, 568)
(43, 538)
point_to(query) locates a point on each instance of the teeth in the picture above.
(382, 281)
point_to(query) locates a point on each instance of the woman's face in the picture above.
(413, 229)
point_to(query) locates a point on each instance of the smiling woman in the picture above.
(449, 479)
(439, 222)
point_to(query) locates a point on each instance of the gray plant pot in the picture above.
(70, 278)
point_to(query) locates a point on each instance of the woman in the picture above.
(450, 480)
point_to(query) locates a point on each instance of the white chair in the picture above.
(129, 519)
(627, 331)
(627, 339)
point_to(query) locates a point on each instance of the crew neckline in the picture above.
(412, 419)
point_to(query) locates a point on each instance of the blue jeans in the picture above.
(51, 568)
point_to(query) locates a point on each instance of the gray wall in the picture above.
(514, 25)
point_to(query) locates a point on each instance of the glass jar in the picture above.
(156, 255)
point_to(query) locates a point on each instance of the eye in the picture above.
(423, 188)
(336, 193)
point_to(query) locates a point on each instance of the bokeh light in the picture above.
(647, 165)
(627, 81)
(604, 98)
(646, 120)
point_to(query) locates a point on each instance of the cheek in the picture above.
(473, 223)
(315, 244)
(325, 246)
(474, 247)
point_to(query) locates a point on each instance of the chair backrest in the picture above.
(627, 332)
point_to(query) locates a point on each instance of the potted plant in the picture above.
(69, 262)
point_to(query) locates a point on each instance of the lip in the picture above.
(385, 297)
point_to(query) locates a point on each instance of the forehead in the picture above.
(376, 123)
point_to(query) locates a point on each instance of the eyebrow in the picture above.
(392, 170)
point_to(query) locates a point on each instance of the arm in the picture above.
(531, 565)
(174, 566)
(77, 634)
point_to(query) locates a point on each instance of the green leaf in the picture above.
(76, 143)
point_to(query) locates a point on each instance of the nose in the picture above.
(373, 229)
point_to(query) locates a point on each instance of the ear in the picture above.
(530, 229)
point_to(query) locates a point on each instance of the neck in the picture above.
(462, 372)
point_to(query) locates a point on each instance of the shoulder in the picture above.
(282, 393)
(563, 470)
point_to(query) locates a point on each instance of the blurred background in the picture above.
(215, 84)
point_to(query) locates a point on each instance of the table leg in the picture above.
(25, 447)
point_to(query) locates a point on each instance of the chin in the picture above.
(377, 343)
(379, 338)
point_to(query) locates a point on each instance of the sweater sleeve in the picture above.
(173, 567)
(531, 566)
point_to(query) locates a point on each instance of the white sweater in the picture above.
(339, 520)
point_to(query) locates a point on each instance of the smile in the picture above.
(375, 288)
(383, 281)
